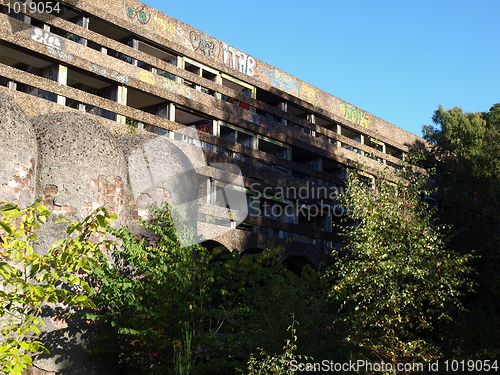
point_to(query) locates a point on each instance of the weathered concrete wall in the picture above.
(158, 172)
(152, 24)
(80, 168)
(18, 153)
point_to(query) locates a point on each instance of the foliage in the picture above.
(465, 152)
(174, 307)
(30, 280)
(398, 283)
(469, 143)
(276, 364)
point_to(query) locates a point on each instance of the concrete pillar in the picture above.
(62, 78)
(121, 97)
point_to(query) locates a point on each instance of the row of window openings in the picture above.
(210, 74)
(285, 235)
(218, 128)
(174, 113)
(257, 229)
(294, 212)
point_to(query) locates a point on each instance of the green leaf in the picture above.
(58, 243)
(62, 220)
(101, 220)
(8, 207)
(6, 227)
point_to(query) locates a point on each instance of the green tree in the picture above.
(465, 152)
(30, 280)
(467, 146)
(397, 282)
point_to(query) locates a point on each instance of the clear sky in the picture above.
(397, 59)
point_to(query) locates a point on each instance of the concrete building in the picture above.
(134, 69)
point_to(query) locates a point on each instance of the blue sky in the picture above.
(397, 59)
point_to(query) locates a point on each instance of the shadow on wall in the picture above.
(67, 340)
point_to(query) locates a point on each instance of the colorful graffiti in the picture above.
(203, 45)
(179, 89)
(166, 26)
(153, 79)
(261, 120)
(147, 77)
(308, 93)
(281, 80)
(138, 13)
(355, 115)
(238, 60)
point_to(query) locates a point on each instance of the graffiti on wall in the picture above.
(238, 60)
(281, 80)
(355, 115)
(55, 44)
(203, 45)
(261, 120)
(47, 38)
(226, 54)
(155, 79)
(113, 74)
(308, 93)
(179, 89)
(138, 13)
(167, 26)
(59, 54)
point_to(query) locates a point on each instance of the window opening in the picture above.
(234, 134)
(275, 148)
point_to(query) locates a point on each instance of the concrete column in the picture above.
(121, 97)
(338, 131)
(12, 85)
(62, 78)
(171, 112)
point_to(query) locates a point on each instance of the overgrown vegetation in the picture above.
(466, 154)
(29, 280)
(197, 311)
(397, 285)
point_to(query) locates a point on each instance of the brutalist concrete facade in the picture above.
(136, 71)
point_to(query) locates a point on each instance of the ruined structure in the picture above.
(131, 69)
(100, 102)
(135, 70)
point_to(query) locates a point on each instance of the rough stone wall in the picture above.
(18, 153)
(80, 168)
(73, 162)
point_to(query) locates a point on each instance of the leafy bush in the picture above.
(30, 280)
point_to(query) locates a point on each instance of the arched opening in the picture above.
(252, 251)
(296, 264)
(210, 245)
(218, 250)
